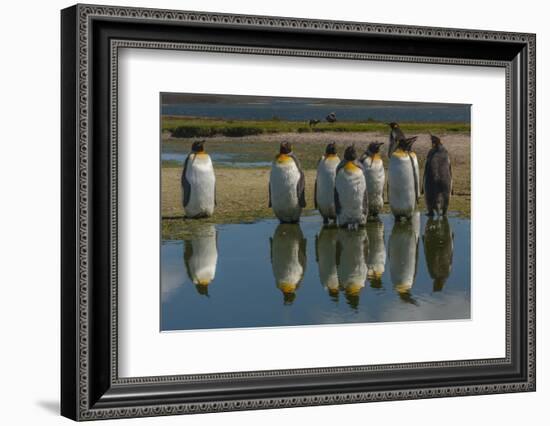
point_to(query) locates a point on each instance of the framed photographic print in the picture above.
(263, 212)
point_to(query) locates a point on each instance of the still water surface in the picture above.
(267, 274)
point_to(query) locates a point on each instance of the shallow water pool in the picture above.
(268, 275)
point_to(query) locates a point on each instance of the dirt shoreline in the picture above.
(242, 194)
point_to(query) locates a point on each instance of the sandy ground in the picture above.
(242, 194)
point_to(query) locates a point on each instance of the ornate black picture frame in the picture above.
(91, 36)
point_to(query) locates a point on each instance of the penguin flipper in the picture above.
(301, 186)
(315, 194)
(269, 194)
(451, 174)
(317, 248)
(302, 257)
(187, 255)
(185, 184)
(337, 205)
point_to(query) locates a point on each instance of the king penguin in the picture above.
(438, 250)
(325, 254)
(376, 259)
(198, 183)
(324, 183)
(396, 134)
(438, 179)
(287, 186)
(288, 259)
(376, 177)
(403, 256)
(200, 256)
(414, 160)
(402, 180)
(351, 261)
(350, 191)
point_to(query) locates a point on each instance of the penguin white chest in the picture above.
(352, 268)
(350, 185)
(401, 182)
(202, 182)
(202, 262)
(324, 195)
(376, 259)
(375, 176)
(403, 245)
(326, 254)
(283, 185)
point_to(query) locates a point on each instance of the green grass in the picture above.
(182, 127)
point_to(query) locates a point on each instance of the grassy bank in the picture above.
(187, 127)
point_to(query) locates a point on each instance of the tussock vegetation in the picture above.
(181, 127)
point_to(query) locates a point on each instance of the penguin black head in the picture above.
(202, 289)
(393, 125)
(331, 149)
(350, 154)
(374, 148)
(198, 146)
(288, 298)
(285, 148)
(435, 141)
(406, 144)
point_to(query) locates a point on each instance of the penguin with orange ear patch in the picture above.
(438, 179)
(324, 183)
(288, 259)
(287, 186)
(198, 183)
(350, 191)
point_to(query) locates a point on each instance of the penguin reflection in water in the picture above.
(325, 254)
(403, 187)
(376, 259)
(403, 255)
(200, 256)
(376, 177)
(351, 263)
(350, 191)
(287, 186)
(438, 179)
(438, 250)
(324, 184)
(288, 259)
(198, 183)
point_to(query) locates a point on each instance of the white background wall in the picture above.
(29, 211)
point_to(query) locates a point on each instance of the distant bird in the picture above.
(331, 118)
(438, 250)
(198, 183)
(324, 183)
(313, 123)
(350, 191)
(287, 186)
(395, 136)
(288, 259)
(200, 257)
(376, 177)
(402, 176)
(438, 179)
